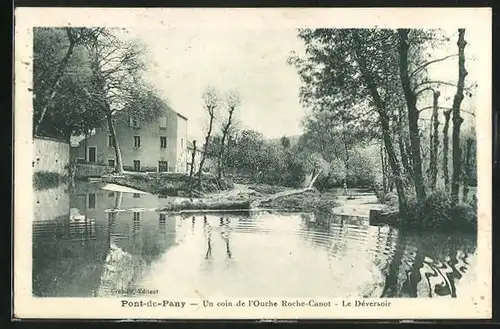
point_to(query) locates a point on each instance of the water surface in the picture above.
(92, 242)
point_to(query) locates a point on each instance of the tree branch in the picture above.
(423, 66)
(446, 108)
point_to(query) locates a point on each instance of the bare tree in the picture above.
(116, 66)
(211, 102)
(434, 140)
(193, 156)
(457, 119)
(233, 101)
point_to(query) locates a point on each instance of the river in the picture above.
(93, 242)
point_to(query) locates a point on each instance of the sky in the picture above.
(253, 62)
(184, 61)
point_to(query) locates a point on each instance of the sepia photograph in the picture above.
(247, 170)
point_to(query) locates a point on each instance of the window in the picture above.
(163, 217)
(92, 200)
(163, 122)
(134, 122)
(111, 162)
(111, 194)
(163, 142)
(137, 216)
(137, 195)
(137, 141)
(137, 165)
(162, 166)
(110, 141)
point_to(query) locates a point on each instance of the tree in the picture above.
(457, 119)
(434, 140)
(211, 102)
(48, 69)
(285, 142)
(411, 101)
(446, 152)
(193, 156)
(116, 66)
(233, 101)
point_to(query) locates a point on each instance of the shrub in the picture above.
(45, 179)
(438, 213)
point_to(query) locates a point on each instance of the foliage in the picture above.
(45, 180)
(437, 212)
(102, 77)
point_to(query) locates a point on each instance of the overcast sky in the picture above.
(185, 61)
(250, 61)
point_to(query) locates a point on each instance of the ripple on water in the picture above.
(258, 254)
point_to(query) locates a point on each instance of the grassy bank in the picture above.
(43, 180)
(311, 200)
(169, 184)
(435, 213)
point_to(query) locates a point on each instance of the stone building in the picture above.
(156, 145)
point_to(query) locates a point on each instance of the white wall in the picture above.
(50, 155)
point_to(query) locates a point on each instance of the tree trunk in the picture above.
(225, 131)
(393, 161)
(402, 150)
(457, 120)
(384, 174)
(193, 156)
(434, 140)
(86, 142)
(446, 152)
(467, 169)
(53, 89)
(118, 153)
(313, 180)
(384, 122)
(205, 147)
(346, 150)
(413, 114)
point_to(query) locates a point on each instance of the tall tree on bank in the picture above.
(457, 119)
(211, 102)
(446, 152)
(233, 101)
(413, 113)
(116, 83)
(352, 66)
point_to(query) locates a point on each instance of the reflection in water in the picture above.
(100, 243)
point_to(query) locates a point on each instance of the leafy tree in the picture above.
(53, 49)
(348, 67)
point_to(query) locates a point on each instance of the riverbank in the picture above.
(222, 194)
(243, 197)
(436, 213)
(169, 184)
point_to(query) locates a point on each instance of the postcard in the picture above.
(265, 164)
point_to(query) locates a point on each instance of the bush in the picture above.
(438, 213)
(45, 179)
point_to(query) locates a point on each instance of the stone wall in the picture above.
(50, 155)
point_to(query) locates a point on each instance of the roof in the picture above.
(182, 116)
